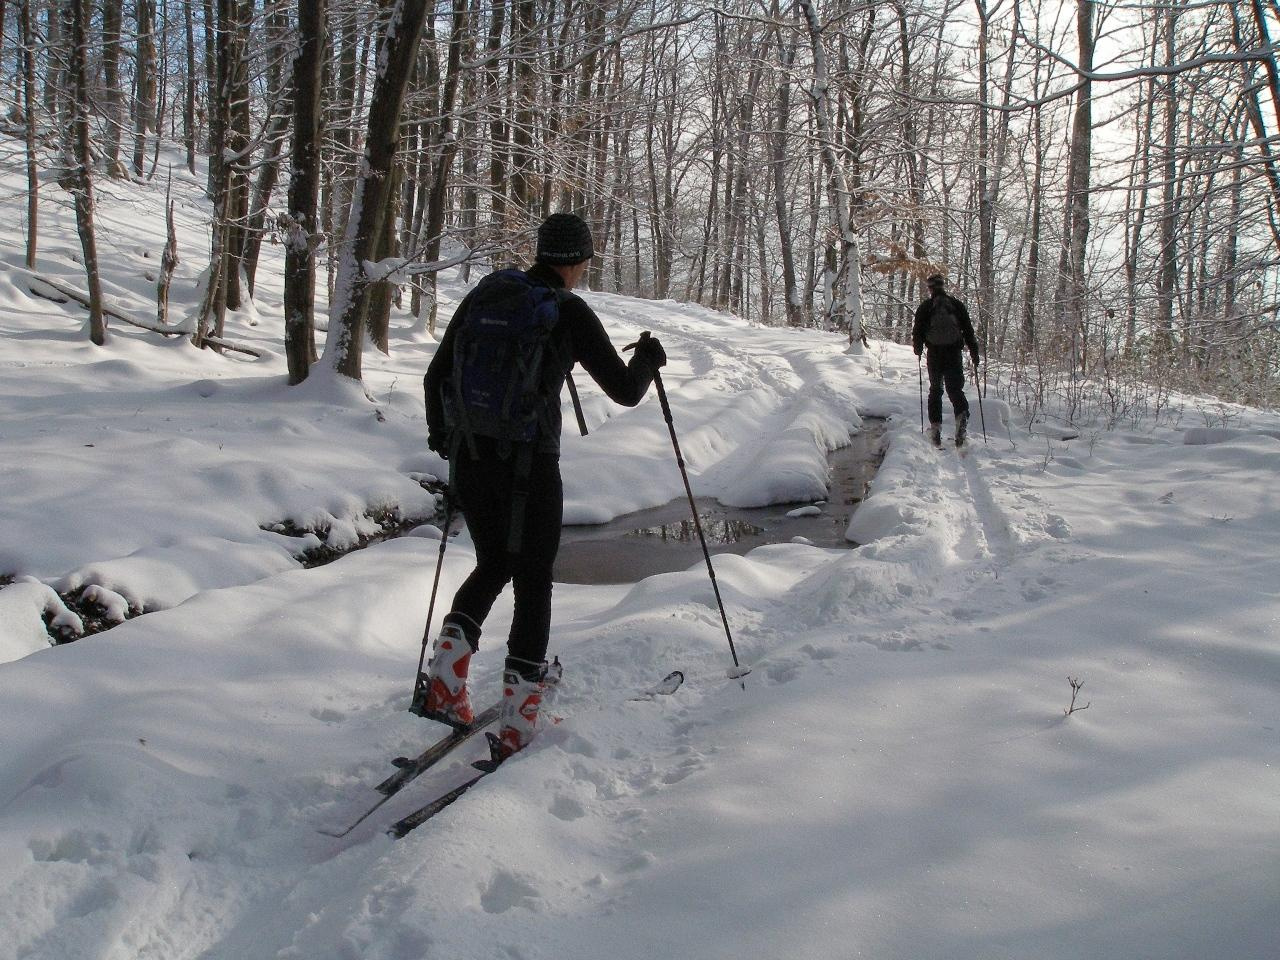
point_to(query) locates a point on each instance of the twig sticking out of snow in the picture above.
(1076, 687)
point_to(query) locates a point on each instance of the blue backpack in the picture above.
(506, 377)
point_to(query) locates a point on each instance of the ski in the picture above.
(669, 685)
(429, 810)
(412, 767)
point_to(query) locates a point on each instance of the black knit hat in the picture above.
(937, 280)
(563, 240)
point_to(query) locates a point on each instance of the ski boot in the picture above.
(935, 434)
(521, 699)
(446, 698)
(962, 428)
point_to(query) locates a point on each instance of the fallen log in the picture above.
(83, 299)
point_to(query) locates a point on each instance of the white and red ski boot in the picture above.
(521, 701)
(447, 699)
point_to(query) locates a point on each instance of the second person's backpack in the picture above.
(944, 328)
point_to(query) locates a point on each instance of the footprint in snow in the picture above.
(641, 861)
(895, 642)
(101, 894)
(506, 891)
(782, 672)
(687, 766)
(567, 808)
(77, 846)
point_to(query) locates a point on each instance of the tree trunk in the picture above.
(1167, 280)
(168, 259)
(387, 245)
(790, 292)
(397, 49)
(497, 124)
(1072, 283)
(1136, 211)
(437, 192)
(984, 185)
(81, 160)
(273, 141)
(189, 98)
(145, 104)
(29, 113)
(212, 100)
(524, 96)
(846, 297)
(55, 61)
(304, 190)
(235, 18)
(112, 98)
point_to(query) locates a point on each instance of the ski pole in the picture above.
(577, 404)
(419, 681)
(738, 671)
(982, 416)
(920, 375)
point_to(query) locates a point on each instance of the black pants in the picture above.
(485, 488)
(946, 366)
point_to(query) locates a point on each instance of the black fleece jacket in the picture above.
(579, 337)
(924, 314)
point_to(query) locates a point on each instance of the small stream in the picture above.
(638, 545)
(664, 539)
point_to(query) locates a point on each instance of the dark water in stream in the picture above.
(663, 539)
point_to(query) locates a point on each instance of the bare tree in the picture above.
(80, 165)
(397, 50)
(145, 98)
(301, 228)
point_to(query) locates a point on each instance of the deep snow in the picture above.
(898, 779)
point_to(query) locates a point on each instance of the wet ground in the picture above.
(664, 539)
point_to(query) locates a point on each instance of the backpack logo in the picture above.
(944, 328)
(505, 380)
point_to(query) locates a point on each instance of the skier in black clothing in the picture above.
(942, 324)
(487, 484)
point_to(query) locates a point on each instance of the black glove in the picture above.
(974, 355)
(919, 348)
(650, 350)
(438, 441)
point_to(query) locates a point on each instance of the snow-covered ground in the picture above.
(897, 780)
